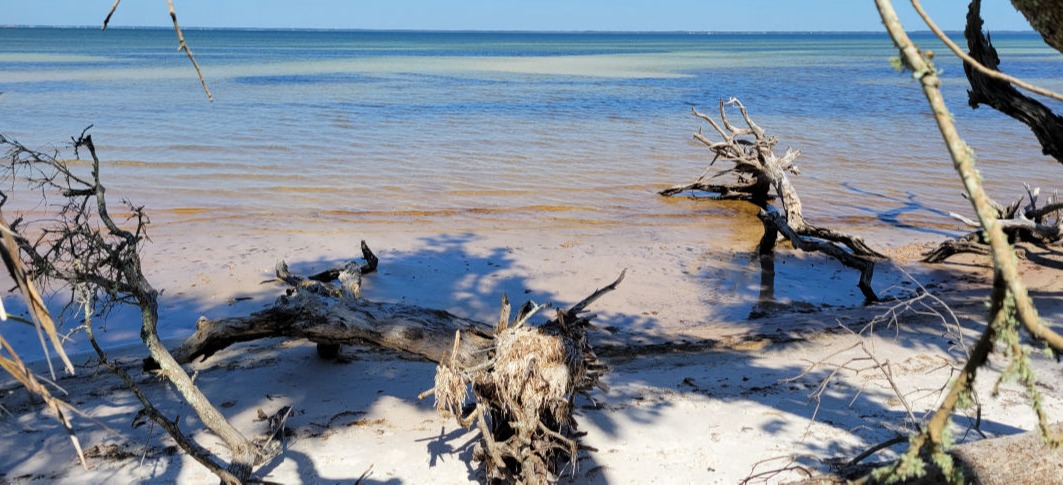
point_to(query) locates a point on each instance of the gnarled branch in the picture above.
(1022, 221)
(1001, 95)
(761, 177)
(87, 251)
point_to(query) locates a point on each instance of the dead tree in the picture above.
(524, 378)
(761, 177)
(1046, 17)
(1028, 223)
(327, 309)
(1000, 95)
(524, 386)
(84, 249)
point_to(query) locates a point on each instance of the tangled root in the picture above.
(523, 390)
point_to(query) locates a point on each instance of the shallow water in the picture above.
(562, 138)
(482, 131)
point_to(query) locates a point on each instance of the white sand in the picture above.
(708, 416)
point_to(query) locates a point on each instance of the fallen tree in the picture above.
(524, 378)
(760, 176)
(331, 313)
(83, 249)
(1028, 223)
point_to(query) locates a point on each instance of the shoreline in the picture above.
(693, 378)
(677, 287)
(707, 414)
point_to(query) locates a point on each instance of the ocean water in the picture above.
(487, 131)
(446, 149)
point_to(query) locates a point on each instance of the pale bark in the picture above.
(761, 177)
(341, 321)
(1027, 220)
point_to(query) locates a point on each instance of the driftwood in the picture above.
(330, 312)
(1029, 223)
(1001, 95)
(1006, 460)
(83, 249)
(760, 176)
(524, 387)
(524, 378)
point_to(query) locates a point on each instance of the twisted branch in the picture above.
(761, 176)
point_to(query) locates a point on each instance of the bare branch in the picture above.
(90, 253)
(761, 177)
(107, 19)
(993, 73)
(183, 46)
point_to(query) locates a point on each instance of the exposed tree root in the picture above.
(1030, 223)
(760, 177)
(523, 378)
(524, 387)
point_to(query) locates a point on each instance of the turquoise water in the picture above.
(484, 131)
(317, 139)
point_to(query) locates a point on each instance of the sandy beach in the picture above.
(478, 164)
(699, 392)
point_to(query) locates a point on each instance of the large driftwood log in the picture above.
(325, 319)
(331, 315)
(524, 378)
(1028, 223)
(1001, 95)
(760, 176)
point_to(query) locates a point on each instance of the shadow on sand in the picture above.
(360, 396)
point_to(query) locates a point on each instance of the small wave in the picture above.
(322, 78)
(457, 211)
(189, 211)
(32, 58)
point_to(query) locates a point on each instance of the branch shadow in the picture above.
(670, 386)
(450, 272)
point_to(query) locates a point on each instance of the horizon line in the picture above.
(483, 31)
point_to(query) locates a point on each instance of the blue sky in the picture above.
(622, 15)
